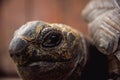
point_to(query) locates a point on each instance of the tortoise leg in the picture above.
(103, 17)
(114, 68)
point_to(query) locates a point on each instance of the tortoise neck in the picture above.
(80, 61)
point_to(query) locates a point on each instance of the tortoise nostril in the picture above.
(17, 45)
(15, 55)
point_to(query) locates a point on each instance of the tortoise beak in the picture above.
(17, 45)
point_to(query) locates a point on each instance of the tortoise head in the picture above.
(42, 50)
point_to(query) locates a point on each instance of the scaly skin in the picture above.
(44, 51)
(103, 17)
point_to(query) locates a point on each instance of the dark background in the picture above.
(14, 13)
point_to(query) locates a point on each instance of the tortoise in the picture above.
(45, 51)
(48, 50)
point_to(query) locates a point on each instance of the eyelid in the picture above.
(44, 44)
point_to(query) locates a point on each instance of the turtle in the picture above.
(54, 51)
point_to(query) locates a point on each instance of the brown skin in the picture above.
(44, 51)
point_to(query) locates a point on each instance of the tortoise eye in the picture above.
(52, 39)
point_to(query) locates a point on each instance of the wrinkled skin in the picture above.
(44, 51)
(103, 17)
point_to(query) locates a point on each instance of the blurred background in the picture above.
(14, 13)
